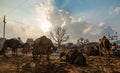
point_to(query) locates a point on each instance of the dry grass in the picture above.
(25, 64)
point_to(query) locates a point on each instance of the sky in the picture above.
(90, 19)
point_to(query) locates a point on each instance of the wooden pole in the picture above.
(4, 21)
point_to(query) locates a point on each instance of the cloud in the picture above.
(114, 10)
(63, 18)
(47, 12)
(75, 28)
(117, 9)
(107, 30)
(25, 30)
(87, 30)
(101, 24)
(78, 29)
(60, 17)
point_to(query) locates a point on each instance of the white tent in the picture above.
(2, 40)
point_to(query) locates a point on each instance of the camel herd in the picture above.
(44, 46)
(104, 48)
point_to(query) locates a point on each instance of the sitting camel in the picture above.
(75, 57)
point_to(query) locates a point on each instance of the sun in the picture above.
(46, 26)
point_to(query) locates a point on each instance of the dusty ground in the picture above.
(25, 64)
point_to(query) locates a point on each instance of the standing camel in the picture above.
(13, 43)
(44, 46)
(105, 46)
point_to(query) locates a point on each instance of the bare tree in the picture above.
(59, 35)
(86, 41)
(82, 41)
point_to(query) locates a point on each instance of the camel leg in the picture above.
(40, 56)
(13, 52)
(4, 54)
(16, 52)
(34, 57)
(100, 52)
(3, 51)
(107, 55)
(48, 56)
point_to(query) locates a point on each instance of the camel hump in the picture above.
(104, 37)
(105, 40)
(45, 41)
(43, 38)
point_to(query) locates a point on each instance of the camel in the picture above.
(92, 51)
(75, 57)
(42, 45)
(26, 48)
(13, 43)
(105, 46)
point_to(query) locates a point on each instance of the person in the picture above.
(20, 40)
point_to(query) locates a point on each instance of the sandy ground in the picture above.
(25, 64)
